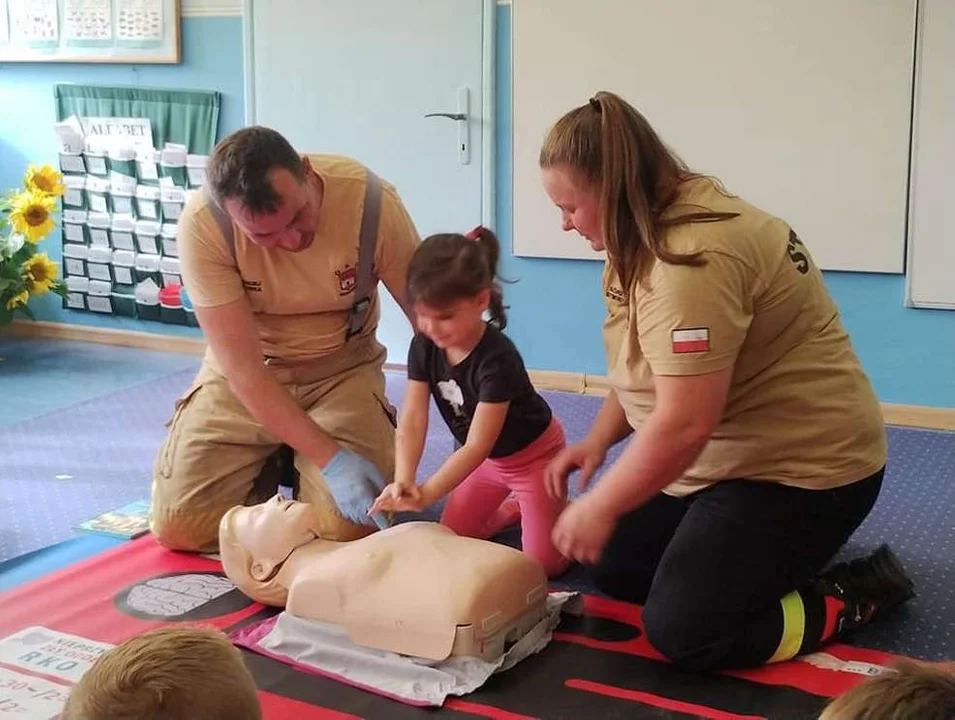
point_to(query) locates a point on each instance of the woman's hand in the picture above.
(584, 456)
(583, 530)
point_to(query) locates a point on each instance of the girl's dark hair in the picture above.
(451, 266)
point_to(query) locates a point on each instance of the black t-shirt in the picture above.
(493, 372)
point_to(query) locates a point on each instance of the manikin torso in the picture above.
(416, 588)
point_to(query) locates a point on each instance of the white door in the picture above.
(357, 78)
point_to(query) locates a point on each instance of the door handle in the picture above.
(463, 150)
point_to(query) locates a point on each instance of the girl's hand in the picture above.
(584, 456)
(399, 498)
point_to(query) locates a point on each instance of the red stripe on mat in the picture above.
(656, 700)
(277, 707)
(819, 681)
(488, 711)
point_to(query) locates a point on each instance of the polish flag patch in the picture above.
(691, 340)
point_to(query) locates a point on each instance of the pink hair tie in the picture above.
(474, 233)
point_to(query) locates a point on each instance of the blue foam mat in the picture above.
(40, 562)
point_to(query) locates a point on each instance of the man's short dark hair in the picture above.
(240, 164)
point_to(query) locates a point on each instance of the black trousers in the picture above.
(710, 569)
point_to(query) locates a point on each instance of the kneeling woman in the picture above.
(760, 444)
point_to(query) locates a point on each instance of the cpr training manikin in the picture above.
(415, 593)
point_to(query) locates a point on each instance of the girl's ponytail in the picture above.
(491, 248)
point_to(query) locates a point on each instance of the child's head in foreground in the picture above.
(910, 690)
(173, 673)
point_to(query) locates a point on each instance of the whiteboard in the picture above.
(802, 107)
(932, 225)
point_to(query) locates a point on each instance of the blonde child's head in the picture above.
(172, 673)
(911, 689)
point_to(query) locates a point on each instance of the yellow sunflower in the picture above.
(40, 273)
(31, 214)
(44, 178)
(17, 300)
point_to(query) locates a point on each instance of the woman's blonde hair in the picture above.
(609, 145)
(910, 689)
(238, 564)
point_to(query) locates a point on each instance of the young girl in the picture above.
(505, 430)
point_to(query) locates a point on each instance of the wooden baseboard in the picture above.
(107, 336)
(921, 416)
(936, 418)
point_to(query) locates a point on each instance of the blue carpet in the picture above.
(59, 469)
(105, 447)
(41, 376)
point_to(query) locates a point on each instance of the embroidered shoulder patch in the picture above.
(690, 340)
(616, 294)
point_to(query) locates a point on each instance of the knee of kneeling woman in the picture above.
(607, 581)
(687, 643)
(618, 583)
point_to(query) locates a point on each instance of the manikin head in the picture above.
(254, 542)
(271, 192)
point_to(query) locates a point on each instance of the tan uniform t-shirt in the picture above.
(302, 300)
(800, 410)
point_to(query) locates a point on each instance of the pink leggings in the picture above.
(471, 506)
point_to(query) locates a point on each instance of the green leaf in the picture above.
(5, 283)
(10, 271)
(5, 315)
(25, 309)
(25, 253)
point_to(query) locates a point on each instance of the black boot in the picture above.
(868, 586)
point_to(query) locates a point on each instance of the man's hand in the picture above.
(354, 482)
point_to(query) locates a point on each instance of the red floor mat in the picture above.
(599, 665)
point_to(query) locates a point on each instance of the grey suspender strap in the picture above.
(223, 221)
(367, 241)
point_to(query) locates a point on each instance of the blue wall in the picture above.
(556, 307)
(212, 60)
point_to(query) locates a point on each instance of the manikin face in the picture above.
(578, 204)
(455, 324)
(270, 531)
(292, 226)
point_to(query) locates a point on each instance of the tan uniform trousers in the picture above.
(215, 454)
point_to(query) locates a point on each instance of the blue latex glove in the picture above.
(355, 483)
